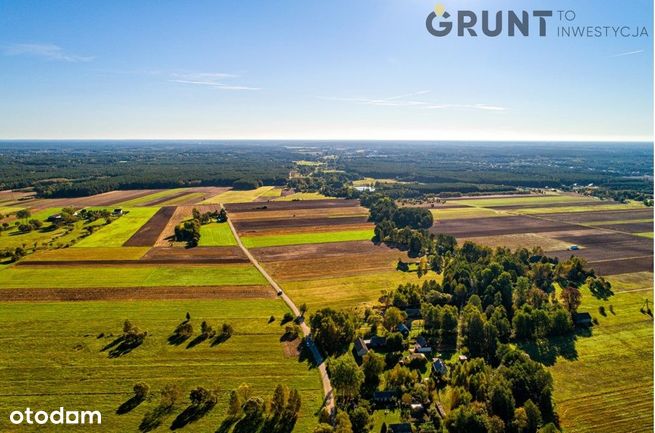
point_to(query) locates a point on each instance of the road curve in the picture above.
(325, 379)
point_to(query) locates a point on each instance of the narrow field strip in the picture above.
(307, 238)
(128, 276)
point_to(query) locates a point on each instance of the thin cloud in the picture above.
(627, 53)
(484, 107)
(404, 101)
(44, 51)
(214, 80)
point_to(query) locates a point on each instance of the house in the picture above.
(117, 212)
(421, 341)
(413, 313)
(376, 342)
(384, 396)
(438, 367)
(425, 350)
(403, 329)
(462, 358)
(54, 218)
(416, 408)
(360, 348)
(400, 428)
(582, 319)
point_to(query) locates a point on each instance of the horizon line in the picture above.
(476, 140)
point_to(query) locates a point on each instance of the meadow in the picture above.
(216, 235)
(53, 355)
(99, 253)
(128, 276)
(349, 292)
(605, 384)
(120, 230)
(235, 196)
(306, 238)
(144, 200)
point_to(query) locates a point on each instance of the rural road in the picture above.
(325, 379)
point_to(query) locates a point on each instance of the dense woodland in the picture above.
(78, 168)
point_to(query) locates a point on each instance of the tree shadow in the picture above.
(177, 339)
(248, 424)
(191, 414)
(226, 425)
(122, 346)
(546, 350)
(154, 419)
(219, 339)
(129, 404)
(196, 341)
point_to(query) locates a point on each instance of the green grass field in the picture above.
(129, 276)
(115, 253)
(120, 230)
(7, 210)
(518, 200)
(589, 209)
(607, 385)
(465, 212)
(216, 235)
(182, 199)
(348, 292)
(303, 196)
(234, 196)
(307, 238)
(52, 357)
(140, 201)
(645, 235)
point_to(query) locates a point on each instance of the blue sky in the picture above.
(338, 69)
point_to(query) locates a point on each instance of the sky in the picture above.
(304, 69)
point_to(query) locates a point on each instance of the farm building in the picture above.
(438, 367)
(376, 342)
(384, 396)
(360, 348)
(403, 329)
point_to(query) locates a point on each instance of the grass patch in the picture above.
(589, 209)
(645, 235)
(275, 192)
(234, 196)
(521, 240)
(465, 212)
(52, 357)
(514, 201)
(216, 235)
(183, 199)
(607, 386)
(603, 223)
(7, 210)
(348, 292)
(307, 238)
(303, 196)
(115, 253)
(140, 201)
(129, 276)
(119, 231)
